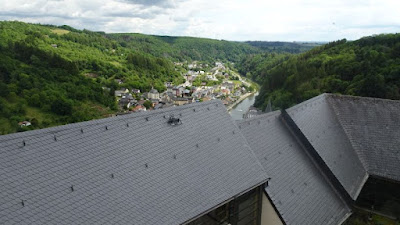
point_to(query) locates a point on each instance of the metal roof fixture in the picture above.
(146, 165)
(127, 124)
(55, 137)
(82, 130)
(22, 203)
(112, 176)
(147, 118)
(267, 183)
(72, 187)
(23, 142)
(194, 110)
(174, 156)
(106, 127)
(174, 121)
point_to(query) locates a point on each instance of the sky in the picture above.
(235, 20)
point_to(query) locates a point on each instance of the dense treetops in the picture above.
(366, 67)
(284, 47)
(186, 48)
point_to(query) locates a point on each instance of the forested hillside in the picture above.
(186, 48)
(284, 47)
(366, 67)
(56, 75)
(53, 75)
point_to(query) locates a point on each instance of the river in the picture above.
(240, 109)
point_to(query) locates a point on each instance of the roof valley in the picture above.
(361, 156)
(317, 162)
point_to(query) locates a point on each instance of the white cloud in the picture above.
(287, 20)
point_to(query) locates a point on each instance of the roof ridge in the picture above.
(323, 95)
(362, 98)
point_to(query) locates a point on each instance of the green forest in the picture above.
(368, 67)
(52, 75)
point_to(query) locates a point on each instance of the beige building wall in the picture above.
(268, 214)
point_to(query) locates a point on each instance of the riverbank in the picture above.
(243, 97)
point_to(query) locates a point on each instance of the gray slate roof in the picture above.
(373, 128)
(297, 188)
(318, 121)
(131, 169)
(154, 91)
(356, 136)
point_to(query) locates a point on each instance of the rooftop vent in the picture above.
(174, 121)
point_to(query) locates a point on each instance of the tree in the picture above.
(147, 104)
(62, 107)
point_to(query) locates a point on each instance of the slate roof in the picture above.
(317, 120)
(356, 136)
(130, 169)
(154, 91)
(373, 127)
(298, 190)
